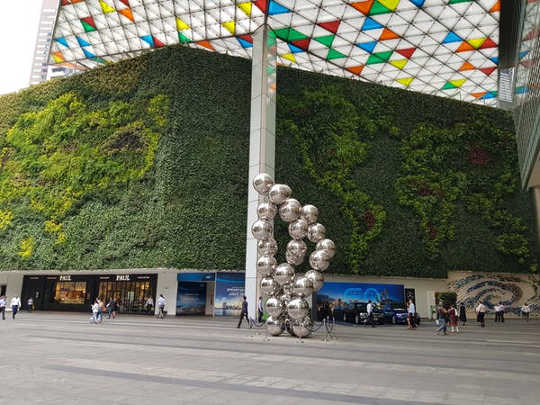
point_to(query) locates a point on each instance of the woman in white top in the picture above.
(15, 305)
(525, 310)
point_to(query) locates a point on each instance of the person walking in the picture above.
(411, 315)
(161, 305)
(15, 305)
(453, 316)
(111, 308)
(3, 307)
(499, 310)
(525, 311)
(244, 313)
(462, 314)
(95, 312)
(30, 304)
(260, 310)
(442, 316)
(481, 310)
(149, 304)
(369, 310)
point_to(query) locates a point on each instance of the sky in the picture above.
(19, 20)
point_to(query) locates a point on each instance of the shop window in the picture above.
(70, 292)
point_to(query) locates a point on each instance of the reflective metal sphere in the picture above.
(293, 259)
(267, 247)
(283, 273)
(319, 260)
(298, 308)
(274, 307)
(303, 328)
(303, 286)
(317, 279)
(274, 326)
(266, 264)
(267, 211)
(290, 210)
(297, 247)
(298, 229)
(268, 285)
(310, 213)
(262, 183)
(279, 193)
(328, 245)
(316, 232)
(262, 229)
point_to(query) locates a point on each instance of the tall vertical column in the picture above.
(262, 143)
(536, 200)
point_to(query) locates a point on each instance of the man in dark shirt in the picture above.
(244, 313)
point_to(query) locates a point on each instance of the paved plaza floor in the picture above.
(59, 358)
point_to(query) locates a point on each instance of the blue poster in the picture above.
(229, 293)
(347, 293)
(191, 298)
(196, 277)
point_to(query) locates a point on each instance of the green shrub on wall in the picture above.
(126, 167)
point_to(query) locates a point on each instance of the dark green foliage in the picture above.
(385, 167)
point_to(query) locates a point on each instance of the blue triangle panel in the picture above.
(495, 60)
(523, 54)
(488, 95)
(148, 39)
(275, 8)
(82, 42)
(88, 54)
(418, 3)
(244, 43)
(62, 41)
(371, 24)
(367, 46)
(295, 49)
(451, 37)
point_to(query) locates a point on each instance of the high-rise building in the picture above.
(41, 70)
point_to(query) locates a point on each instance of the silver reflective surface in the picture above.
(328, 245)
(317, 279)
(279, 193)
(284, 273)
(303, 286)
(274, 307)
(267, 247)
(266, 264)
(298, 308)
(262, 183)
(319, 260)
(316, 232)
(262, 229)
(290, 210)
(274, 326)
(310, 213)
(298, 229)
(267, 211)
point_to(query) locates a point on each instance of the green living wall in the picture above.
(144, 164)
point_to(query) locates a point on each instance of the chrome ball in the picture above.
(310, 213)
(262, 229)
(298, 229)
(298, 308)
(303, 286)
(319, 260)
(289, 211)
(328, 245)
(303, 328)
(279, 193)
(267, 211)
(274, 326)
(262, 183)
(316, 232)
(269, 285)
(297, 247)
(274, 307)
(267, 247)
(317, 279)
(293, 259)
(266, 264)
(283, 273)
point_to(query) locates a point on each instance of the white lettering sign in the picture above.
(65, 278)
(122, 277)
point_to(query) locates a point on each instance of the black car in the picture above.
(356, 313)
(397, 316)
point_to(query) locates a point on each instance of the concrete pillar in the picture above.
(536, 199)
(262, 143)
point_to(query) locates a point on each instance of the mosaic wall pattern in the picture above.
(513, 290)
(442, 47)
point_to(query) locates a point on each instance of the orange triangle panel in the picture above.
(465, 46)
(466, 66)
(388, 34)
(356, 69)
(206, 44)
(363, 6)
(126, 12)
(488, 43)
(488, 70)
(478, 95)
(496, 7)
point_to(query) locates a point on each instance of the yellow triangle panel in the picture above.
(476, 42)
(105, 7)
(457, 83)
(390, 4)
(245, 7)
(405, 81)
(229, 25)
(400, 64)
(181, 25)
(289, 56)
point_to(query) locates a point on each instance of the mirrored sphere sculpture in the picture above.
(274, 307)
(303, 287)
(290, 210)
(319, 260)
(274, 326)
(303, 328)
(316, 232)
(267, 211)
(298, 308)
(298, 229)
(328, 245)
(284, 273)
(266, 264)
(262, 229)
(269, 285)
(267, 247)
(262, 183)
(310, 213)
(317, 279)
(279, 193)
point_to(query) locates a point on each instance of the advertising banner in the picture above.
(197, 277)
(348, 293)
(229, 293)
(191, 298)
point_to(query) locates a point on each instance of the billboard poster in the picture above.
(229, 293)
(347, 293)
(191, 298)
(196, 277)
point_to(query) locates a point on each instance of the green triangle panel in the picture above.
(378, 8)
(326, 40)
(458, 1)
(183, 39)
(379, 57)
(289, 34)
(333, 54)
(448, 86)
(87, 27)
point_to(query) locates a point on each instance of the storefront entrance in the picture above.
(77, 292)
